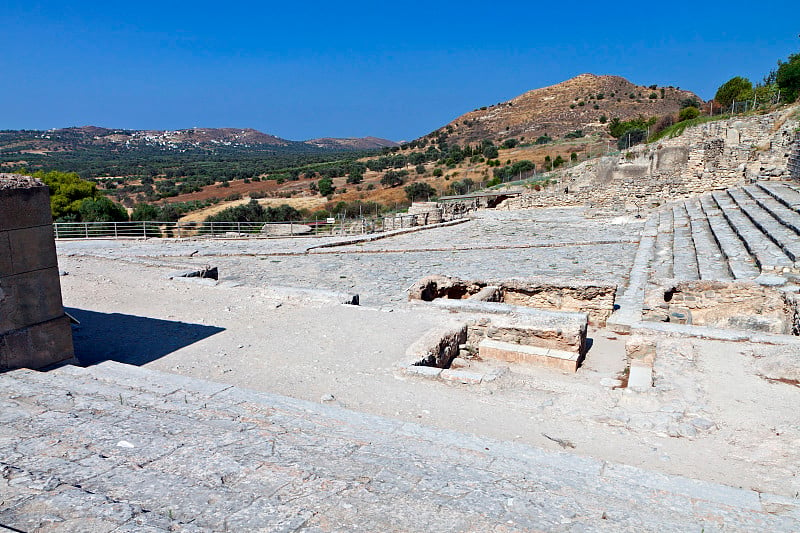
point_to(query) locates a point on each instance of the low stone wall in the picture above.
(732, 305)
(594, 298)
(437, 347)
(34, 331)
(552, 330)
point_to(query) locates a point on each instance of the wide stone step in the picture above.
(78, 449)
(783, 214)
(711, 261)
(662, 261)
(684, 256)
(766, 253)
(782, 192)
(783, 237)
(740, 262)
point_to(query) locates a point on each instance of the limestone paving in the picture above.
(498, 244)
(120, 448)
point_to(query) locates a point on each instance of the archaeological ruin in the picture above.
(615, 353)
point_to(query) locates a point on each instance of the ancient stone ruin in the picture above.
(34, 331)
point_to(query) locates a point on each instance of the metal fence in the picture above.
(180, 230)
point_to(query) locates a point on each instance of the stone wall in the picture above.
(594, 298)
(34, 331)
(734, 305)
(794, 159)
(716, 155)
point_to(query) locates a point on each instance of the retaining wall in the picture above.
(794, 159)
(34, 331)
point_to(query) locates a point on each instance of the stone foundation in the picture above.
(732, 305)
(595, 299)
(34, 331)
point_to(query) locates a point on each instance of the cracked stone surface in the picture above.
(105, 449)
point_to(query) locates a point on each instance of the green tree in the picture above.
(393, 178)
(788, 77)
(325, 186)
(67, 192)
(102, 209)
(735, 89)
(419, 191)
(145, 212)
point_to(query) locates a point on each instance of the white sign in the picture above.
(331, 221)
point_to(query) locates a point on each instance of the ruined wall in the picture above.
(715, 155)
(735, 305)
(34, 331)
(594, 298)
(794, 159)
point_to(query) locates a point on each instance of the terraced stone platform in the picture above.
(121, 448)
(732, 234)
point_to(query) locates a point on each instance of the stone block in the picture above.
(462, 376)
(30, 298)
(37, 346)
(517, 353)
(32, 248)
(438, 346)
(424, 371)
(24, 207)
(6, 268)
(641, 376)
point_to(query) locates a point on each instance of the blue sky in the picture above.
(393, 70)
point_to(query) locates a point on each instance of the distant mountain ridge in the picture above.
(575, 104)
(211, 139)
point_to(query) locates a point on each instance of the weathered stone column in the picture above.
(34, 331)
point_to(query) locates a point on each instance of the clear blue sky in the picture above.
(390, 69)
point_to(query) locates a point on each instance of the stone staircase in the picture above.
(121, 448)
(735, 234)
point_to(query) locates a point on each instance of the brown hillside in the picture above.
(557, 110)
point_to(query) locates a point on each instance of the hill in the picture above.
(202, 139)
(575, 104)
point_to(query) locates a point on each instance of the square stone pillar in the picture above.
(34, 331)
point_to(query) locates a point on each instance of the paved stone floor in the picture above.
(120, 448)
(548, 242)
(712, 414)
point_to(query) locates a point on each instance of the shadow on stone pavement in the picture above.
(130, 339)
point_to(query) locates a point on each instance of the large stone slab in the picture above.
(516, 353)
(37, 346)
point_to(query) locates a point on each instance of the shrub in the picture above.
(653, 96)
(603, 119)
(437, 172)
(577, 134)
(544, 139)
(688, 113)
(510, 143)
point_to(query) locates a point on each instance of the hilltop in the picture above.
(576, 104)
